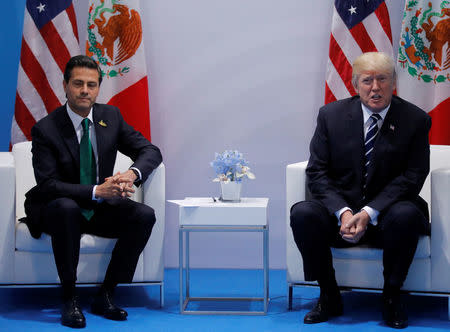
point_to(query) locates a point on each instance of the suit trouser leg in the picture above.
(400, 228)
(131, 223)
(63, 222)
(314, 231)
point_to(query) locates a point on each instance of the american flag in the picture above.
(358, 26)
(50, 39)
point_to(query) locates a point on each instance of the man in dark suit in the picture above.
(74, 150)
(369, 160)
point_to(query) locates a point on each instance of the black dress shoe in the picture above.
(394, 313)
(103, 305)
(72, 315)
(323, 310)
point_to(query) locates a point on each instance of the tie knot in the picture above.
(85, 124)
(375, 117)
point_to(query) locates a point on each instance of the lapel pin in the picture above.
(391, 127)
(102, 123)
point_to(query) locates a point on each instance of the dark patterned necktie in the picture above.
(370, 142)
(88, 168)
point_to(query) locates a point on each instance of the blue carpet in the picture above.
(38, 309)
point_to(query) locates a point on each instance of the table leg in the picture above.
(180, 258)
(266, 267)
(187, 264)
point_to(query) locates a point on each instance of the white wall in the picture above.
(246, 75)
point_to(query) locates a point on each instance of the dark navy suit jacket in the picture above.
(400, 163)
(56, 158)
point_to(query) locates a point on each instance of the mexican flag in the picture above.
(114, 40)
(424, 63)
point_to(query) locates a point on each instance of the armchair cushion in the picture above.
(89, 244)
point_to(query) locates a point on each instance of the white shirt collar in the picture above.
(367, 112)
(76, 119)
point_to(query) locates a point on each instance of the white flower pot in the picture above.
(231, 190)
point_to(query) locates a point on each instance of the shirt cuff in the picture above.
(339, 213)
(98, 199)
(139, 172)
(373, 214)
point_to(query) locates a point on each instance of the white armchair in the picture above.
(25, 260)
(361, 267)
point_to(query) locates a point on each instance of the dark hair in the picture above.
(81, 61)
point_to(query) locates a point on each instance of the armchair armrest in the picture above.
(155, 196)
(295, 192)
(7, 217)
(440, 229)
(295, 184)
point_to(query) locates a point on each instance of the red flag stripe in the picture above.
(363, 39)
(24, 119)
(440, 115)
(131, 102)
(329, 96)
(382, 14)
(37, 77)
(340, 62)
(73, 20)
(55, 45)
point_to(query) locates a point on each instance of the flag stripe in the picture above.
(35, 73)
(70, 40)
(23, 117)
(382, 14)
(380, 40)
(342, 66)
(329, 96)
(363, 39)
(335, 83)
(30, 96)
(55, 45)
(73, 21)
(135, 99)
(16, 132)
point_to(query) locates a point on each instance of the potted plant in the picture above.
(230, 168)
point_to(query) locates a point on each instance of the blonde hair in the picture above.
(372, 61)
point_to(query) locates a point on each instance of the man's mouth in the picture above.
(376, 97)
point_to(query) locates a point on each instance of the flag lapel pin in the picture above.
(102, 123)
(391, 127)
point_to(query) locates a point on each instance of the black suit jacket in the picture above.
(400, 159)
(56, 158)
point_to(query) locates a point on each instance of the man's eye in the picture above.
(92, 85)
(77, 84)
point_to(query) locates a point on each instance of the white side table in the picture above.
(202, 214)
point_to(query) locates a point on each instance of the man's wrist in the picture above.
(137, 173)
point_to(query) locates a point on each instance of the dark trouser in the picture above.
(397, 233)
(128, 221)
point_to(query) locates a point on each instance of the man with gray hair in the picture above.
(369, 159)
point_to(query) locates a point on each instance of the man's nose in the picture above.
(375, 85)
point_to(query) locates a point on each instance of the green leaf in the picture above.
(412, 71)
(125, 69)
(440, 79)
(112, 73)
(427, 78)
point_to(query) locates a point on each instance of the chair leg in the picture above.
(161, 294)
(289, 297)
